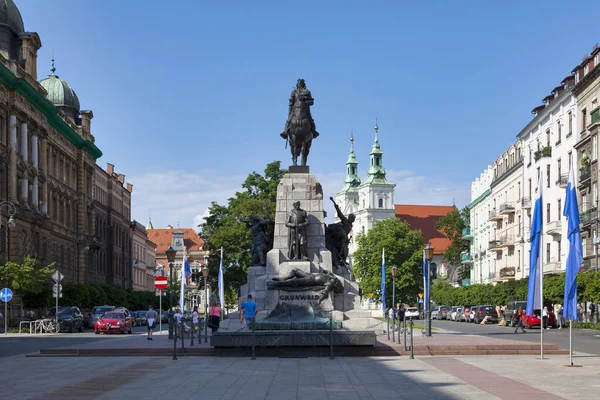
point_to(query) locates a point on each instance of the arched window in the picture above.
(380, 203)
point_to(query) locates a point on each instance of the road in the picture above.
(584, 341)
(13, 345)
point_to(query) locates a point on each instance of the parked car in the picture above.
(96, 313)
(455, 313)
(465, 316)
(69, 318)
(444, 312)
(486, 311)
(138, 318)
(113, 321)
(411, 313)
(529, 321)
(435, 312)
(511, 311)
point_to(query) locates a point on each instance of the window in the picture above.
(597, 59)
(583, 119)
(559, 210)
(559, 250)
(530, 188)
(518, 190)
(595, 147)
(380, 203)
(548, 175)
(584, 246)
(586, 69)
(570, 123)
(548, 137)
(547, 212)
(558, 132)
(570, 160)
(559, 168)
(547, 253)
(530, 155)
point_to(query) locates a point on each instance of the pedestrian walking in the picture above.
(177, 318)
(150, 317)
(195, 318)
(249, 310)
(519, 317)
(545, 316)
(214, 314)
(559, 316)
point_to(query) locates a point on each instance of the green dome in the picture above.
(10, 15)
(60, 94)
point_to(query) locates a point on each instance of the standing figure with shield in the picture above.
(297, 222)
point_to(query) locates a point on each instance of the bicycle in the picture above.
(49, 326)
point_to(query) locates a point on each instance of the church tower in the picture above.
(375, 195)
(347, 198)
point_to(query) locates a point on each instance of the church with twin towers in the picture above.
(373, 200)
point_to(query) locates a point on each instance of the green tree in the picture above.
(226, 227)
(452, 225)
(403, 248)
(30, 277)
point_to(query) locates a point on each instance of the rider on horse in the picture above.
(304, 96)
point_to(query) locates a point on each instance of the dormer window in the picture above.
(586, 69)
(577, 77)
(597, 59)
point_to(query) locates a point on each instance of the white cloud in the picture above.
(175, 196)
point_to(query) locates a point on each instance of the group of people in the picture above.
(396, 313)
(214, 318)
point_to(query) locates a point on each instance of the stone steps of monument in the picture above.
(357, 314)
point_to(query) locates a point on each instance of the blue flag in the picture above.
(425, 283)
(575, 257)
(221, 283)
(383, 280)
(535, 255)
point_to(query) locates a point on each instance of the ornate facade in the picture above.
(144, 259)
(47, 159)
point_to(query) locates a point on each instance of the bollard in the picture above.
(405, 334)
(199, 331)
(412, 356)
(182, 336)
(330, 337)
(174, 344)
(394, 328)
(192, 335)
(388, 327)
(253, 342)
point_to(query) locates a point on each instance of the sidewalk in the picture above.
(211, 378)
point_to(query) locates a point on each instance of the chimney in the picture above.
(110, 168)
(31, 43)
(121, 178)
(86, 120)
(129, 187)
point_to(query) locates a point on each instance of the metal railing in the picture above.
(507, 272)
(507, 207)
(543, 152)
(466, 233)
(563, 180)
(526, 202)
(585, 173)
(466, 258)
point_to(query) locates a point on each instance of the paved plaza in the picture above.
(425, 377)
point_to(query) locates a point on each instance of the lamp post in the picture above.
(428, 250)
(205, 274)
(12, 210)
(171, 258)
(394, 274)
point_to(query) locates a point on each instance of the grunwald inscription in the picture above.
(304, 297)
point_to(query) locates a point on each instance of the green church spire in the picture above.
(352, 180)
(376, 173)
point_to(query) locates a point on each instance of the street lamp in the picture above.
(428, 250)
(394, 274)
(171, 258)
(205, 274)
(12, 210)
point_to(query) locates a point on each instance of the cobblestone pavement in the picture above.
(451, 377)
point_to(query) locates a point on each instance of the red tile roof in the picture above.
(164, 237)
(425, 218)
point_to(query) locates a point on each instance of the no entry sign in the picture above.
(161, 282)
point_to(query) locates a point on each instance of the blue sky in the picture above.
(189, 97)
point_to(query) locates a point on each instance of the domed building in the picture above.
(48, 170)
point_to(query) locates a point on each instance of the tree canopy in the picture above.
(403, 248)
(226, 227)
(452, 225)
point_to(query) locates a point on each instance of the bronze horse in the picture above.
(300, 127)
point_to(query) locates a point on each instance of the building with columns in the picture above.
(47, 158)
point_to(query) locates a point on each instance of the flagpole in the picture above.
(540, 270)
(570, 343)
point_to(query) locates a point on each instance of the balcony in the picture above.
(587, 217)
(554, 228)
(465, 282)
(543, 152)
(494, 216)
(585, 174)
(552, 267)
(507, 273)
(495, 245)
(526, 203)
(507, 208)
(466, 258)
(563, 180)
(466, 233)
(507, 240)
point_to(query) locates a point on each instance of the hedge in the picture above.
(442, 292)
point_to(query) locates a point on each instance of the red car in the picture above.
(529, 321)
(113, 321)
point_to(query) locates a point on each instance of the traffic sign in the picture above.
(371, 295)
(420, 295)
(6, 295)
(57, 288)
(420, 300)
(57, 276)
(59, 296)
(161, 282)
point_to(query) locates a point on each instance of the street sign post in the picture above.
(160, 283)
(6, 295)
(57, 292)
